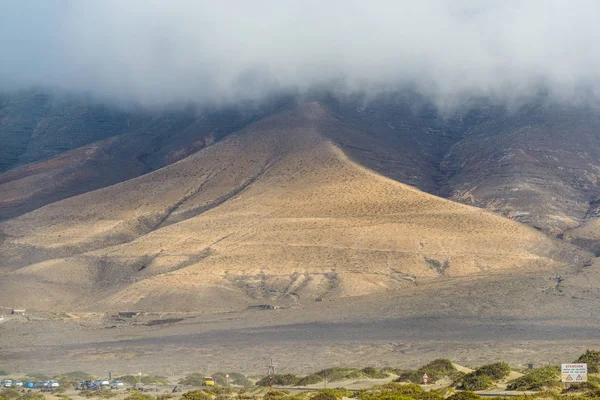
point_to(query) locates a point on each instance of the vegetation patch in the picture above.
(435, 370)
(194, 379)
(592, 358)
(139, 396)
(465, 395)
(3, 372)
(235, 378)
(38, 376)
(101, 394)
(10, 394)
(396, 391)
(144, 380)
(537, 379)
(279, 380)
(310, 380)
(483, 377)
(32, 396)
(473, 382)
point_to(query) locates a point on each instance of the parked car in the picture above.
(18, 383)
(8, 383)
(29, 385)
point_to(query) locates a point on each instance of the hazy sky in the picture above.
(157, 52)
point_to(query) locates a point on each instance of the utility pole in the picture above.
(271, 371)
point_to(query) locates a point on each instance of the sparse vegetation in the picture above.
(473, 381)
(466, 395)
(235, 378)
(144, 380)
(38, 376)
(100, 394)
(73, 376)
(435, 370)
(496, 371)
(3, 372)
(537, 379)
(141, 396)
(280, 380)
(310, 380)
(32, 396)
(483, 377)
(396, 391)
(195, 379)
(10, 394)
(592, 358)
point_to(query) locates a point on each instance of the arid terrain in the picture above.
(318, 231)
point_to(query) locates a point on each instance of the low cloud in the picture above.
(162, 52)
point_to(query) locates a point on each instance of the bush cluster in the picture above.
(483, 377)
(592, 358)
(537, 379)
(435, 370)
(144, 380)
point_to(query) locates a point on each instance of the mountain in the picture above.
(296, 206)
(59, 146)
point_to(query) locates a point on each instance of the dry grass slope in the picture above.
(275, 212)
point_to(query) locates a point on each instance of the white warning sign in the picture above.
(573, 373)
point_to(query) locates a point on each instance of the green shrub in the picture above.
(441, 366)
(332, 394)
(435, 370)
(325, 396)
(101, 394)
(193, 380)
(475, 381)
(339, 374)
(10, 394)
(139, 396)
(195, 395)
(395, 391)
(466, 395)
(32, 396)
(537, 379)
(374, 373)
(310, 380)
(3, 372)
(235, 378)
(165, 396)
(413, 376)
(144, 380)
(496, 371)
(274, 394)
(279, 380)
(592, 358)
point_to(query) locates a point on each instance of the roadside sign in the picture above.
(227, 376)
(573, 373)
(425, 379)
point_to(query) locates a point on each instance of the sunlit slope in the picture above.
(276, 212)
